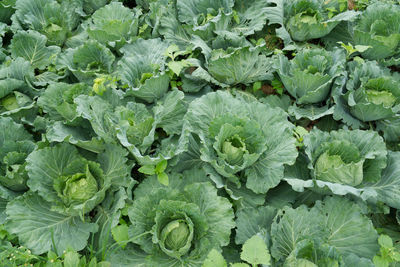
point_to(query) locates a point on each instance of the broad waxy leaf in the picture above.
(31, 218)
(255, 251)
(32, 47)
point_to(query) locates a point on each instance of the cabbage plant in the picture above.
(303, 20)
(241, 141)
(65, 187)
(15, 93)
(175, 225)
(346, 157)
(87, 61)
(54, 19)
(16, 144)
(320, 236)
(379, 28)
(74, 186)
(342, 162)
(309, 77)
(371, 93)
(142, 69)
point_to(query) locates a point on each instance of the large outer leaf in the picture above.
(11, 132)
(31, 12)
(390, 128)
(252, 16)
(276, 15)
(6, 10)
(190, 10)
(151, 51)
(172, 30)
(31, 219)
(114, 163)
(388, 188)
(243, 65)
(292, 226)
(32, 47)
(78, 136)
(99, 113)
(349, 231)
(113, 22)
(310, 112)
(168, 113)
(130, 256)
(251, 221)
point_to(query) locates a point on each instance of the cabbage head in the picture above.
(241, 140)
(346, 157)
(67, 187)
(175, 225)
(379, 28)
(309, 77)
(373, 92)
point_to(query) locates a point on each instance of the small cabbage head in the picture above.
(309, 76)
(76, 188)
(137, 122)
(379, 28)
(15, 102)
(238, 142)
(177, 236)
(373, 92)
